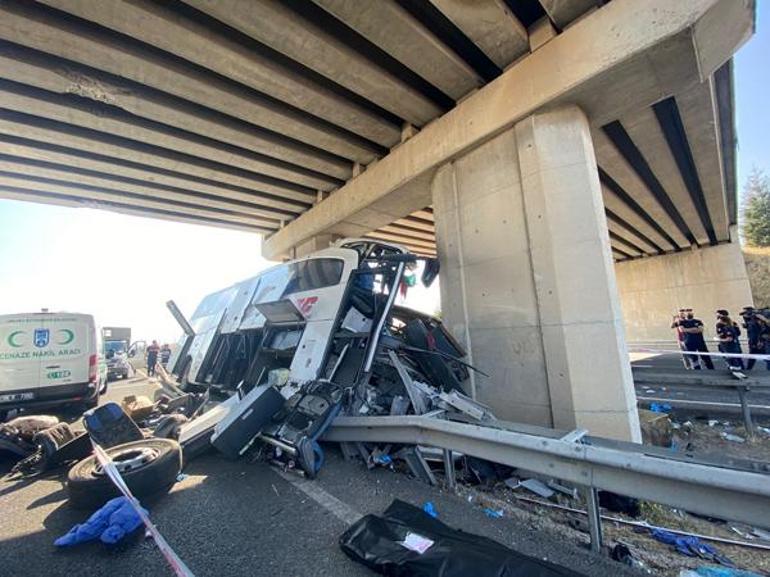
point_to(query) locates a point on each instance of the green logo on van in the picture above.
(12, 338)
(66, 336)
(59, 374)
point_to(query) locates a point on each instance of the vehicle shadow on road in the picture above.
(55, 497)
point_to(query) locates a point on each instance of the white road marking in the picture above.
(708, 403)
(312, 489)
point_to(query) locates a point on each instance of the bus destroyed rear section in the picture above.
(287, 351)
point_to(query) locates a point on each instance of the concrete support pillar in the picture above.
(527, 280)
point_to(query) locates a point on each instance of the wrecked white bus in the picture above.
(294, 346)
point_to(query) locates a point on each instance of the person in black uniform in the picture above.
(694, 341)
(753, 328)
(152, 358)
(764, 333)
(729, 333)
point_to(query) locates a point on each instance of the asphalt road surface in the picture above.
(241, 518)
(701, 399)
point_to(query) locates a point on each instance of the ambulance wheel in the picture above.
(148, 467)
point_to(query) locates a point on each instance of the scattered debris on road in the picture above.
(113, 521)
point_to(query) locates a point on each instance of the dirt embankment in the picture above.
(758, 268)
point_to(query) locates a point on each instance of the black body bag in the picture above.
(407, 542)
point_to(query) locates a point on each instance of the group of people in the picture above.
(153, 352)
(689, 332)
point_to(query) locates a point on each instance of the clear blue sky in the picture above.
(122, 269)
(752, 98)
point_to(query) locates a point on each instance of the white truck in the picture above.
(49, 359)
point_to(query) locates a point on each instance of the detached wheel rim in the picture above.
(130, 459)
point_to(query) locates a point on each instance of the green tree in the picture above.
(756, 209)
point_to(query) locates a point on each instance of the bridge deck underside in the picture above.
(247, 114)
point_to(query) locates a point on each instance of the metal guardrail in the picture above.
(706, 489)
(706, 380)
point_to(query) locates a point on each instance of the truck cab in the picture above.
(117, 342)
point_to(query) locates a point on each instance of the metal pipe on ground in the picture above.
(644, 525)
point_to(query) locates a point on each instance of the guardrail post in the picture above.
(747, 422)
(594, 518)
(449, 469)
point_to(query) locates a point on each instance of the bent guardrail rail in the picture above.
(707, 489)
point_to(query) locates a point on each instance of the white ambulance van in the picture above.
(49, 359)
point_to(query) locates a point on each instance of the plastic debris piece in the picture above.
(430, 509)
(691, 546)
(493, 513)
(383, 459)
(733, 438)
(116, 519)
(182, 476)
(741, 533)
(571, 492)
(660, 407)
(512, 483)
(713, 422)
(723, 572)
(537, 487)
(416, 543)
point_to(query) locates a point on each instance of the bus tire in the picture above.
(148, 467)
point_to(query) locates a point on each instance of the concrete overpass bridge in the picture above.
(527, 143)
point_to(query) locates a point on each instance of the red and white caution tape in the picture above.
(699, 353)
(180, 569)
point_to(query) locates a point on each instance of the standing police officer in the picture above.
(692, 329)
(753, 328)
(728, 334)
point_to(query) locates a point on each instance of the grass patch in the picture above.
(758, 268)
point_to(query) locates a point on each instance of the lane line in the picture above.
(708, 403)
(312, 489)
